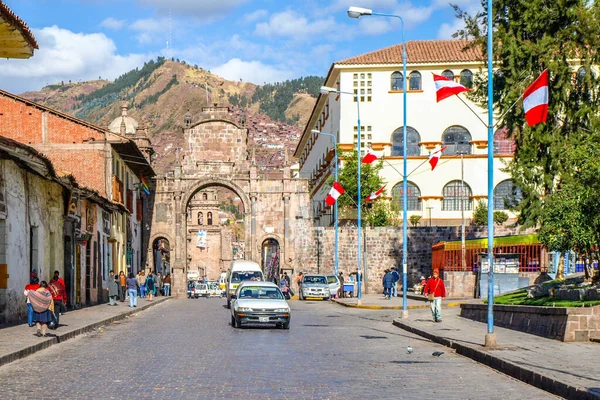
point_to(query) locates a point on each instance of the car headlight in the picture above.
(244, 309)
(283, 310)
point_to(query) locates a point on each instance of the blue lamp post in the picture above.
(335, 206)
(357, 12)
(326, 90)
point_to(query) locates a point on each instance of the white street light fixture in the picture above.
(327, 90)
(357, 12)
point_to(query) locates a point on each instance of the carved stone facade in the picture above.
(216, 155)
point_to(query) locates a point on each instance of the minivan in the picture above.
(239, 271)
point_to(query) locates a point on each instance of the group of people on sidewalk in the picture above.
(45, 302)
(145, 286)
(390, 283)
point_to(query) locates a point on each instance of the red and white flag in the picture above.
(535, 100)
(371, 156)
(445, 87)
(336, 191)
(376, 194)
(435, 157)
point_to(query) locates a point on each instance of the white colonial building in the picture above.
(377, 78)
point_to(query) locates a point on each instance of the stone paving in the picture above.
(569, 369)
(187, 349)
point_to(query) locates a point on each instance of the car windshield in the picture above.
(315, 279)
(201, 286)
(237, 277)
(213, 286)
(332, 279)
(259, 292)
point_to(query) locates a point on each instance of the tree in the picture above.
(530, 36)
(369, 176)
(480, 216)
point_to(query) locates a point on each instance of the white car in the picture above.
(259, 303)
(314, 286)
(334, 284)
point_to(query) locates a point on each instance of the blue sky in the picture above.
(253, 40)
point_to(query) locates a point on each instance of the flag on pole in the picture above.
(445, 87)
(336, 191)
(376, 194)
(371, 156)
(535, 100)
(435, 157)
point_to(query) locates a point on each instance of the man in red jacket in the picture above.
(435, 286)
(59, 295)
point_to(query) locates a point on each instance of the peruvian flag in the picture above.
(336, 191)
(445, 87)
(371, 156)
(376, 194)
(435, 157)
(535, 100)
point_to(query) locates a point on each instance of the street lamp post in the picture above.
(326, 90)
(335, 206)
(357, 12)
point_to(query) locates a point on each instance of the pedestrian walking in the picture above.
(167, 285)
(132, 288)
(388, 282)
(158, 284)
(141, 278)
(340, 292)
(150, 286)
(43, 308)
(59, 295)
(396, 277)
(113, 288)
(122, 286)
(299, 280)
(435, 290)
(33, 285)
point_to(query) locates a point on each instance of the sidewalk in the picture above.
(569, 370)
(378, 302)
(19, 341)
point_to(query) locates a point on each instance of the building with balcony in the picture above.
(436, 196)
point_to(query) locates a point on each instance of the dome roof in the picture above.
(130, 124)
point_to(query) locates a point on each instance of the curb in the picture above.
(59, 338)
(374, 307)
(523, 374)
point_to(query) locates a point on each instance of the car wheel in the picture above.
(326, 298)
(233, 322)
(301, 296)
(286, 325)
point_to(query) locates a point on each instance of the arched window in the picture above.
(457, 141)
(507, 195)
(502, 143)
(200, 218)
(455, 192)
(204, 196)
(448, 74)
(412, 142)
(414, 81)
(413, 196)
(466, 78)
(209, 218)
(396, 81)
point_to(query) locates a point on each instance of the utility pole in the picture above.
(463, 248)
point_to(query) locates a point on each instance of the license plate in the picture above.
(263, 319)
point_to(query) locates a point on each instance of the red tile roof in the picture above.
(420, 51)
(10, 17)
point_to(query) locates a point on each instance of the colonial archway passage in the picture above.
(217, 205)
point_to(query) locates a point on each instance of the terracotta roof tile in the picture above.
(9, 16)
(420, 51)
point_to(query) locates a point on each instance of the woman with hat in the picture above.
(435, 291)
(43, 308)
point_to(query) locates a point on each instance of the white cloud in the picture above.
(290, 24)
(446, 30)
(112, 23)
(256, 15)
(201, 9)
(147, 30)
(65, 55)
(252, 71)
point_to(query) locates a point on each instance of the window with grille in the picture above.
(454, 193)
(448, 74)
(413, 195)
(507, 195)
(414, 81)
(457, 141)
(396, 81)
(466, 78)
(412, 142)
(361, 81)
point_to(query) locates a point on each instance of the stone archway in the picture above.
(156, 265)
(267, 256)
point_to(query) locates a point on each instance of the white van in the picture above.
(239, 271)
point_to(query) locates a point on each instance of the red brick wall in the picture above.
(87, 166)
(19, 121)
(62, 130)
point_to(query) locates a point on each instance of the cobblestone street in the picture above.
(187, 349)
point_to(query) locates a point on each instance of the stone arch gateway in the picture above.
(216, 155)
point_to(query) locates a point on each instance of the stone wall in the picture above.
(315, 250)
(568, 324)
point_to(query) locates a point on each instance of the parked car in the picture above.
(201, 290)
(259, 303)
(334, 284)
(314, 286)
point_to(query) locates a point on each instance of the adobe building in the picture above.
(216, 155)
